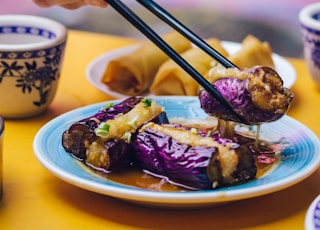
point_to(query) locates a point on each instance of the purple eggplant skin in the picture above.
(80, 133)
(194, 167)
(111, 112)
(114, 154)
(259, 98)
(180, 163)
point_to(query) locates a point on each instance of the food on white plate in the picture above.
(132, 74)
(171, 79)
(150, 69)
(253, 52)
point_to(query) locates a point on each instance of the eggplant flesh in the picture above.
(111, 150)
(82, 132)
(256, 94)
(191, 160)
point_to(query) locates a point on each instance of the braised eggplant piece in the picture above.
(190, 159)
(102, 141)
(257, 94)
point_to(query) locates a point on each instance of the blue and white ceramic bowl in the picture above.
(312, 219)
(309, 18)
(31, 55)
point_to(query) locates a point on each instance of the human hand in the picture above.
(71, 4)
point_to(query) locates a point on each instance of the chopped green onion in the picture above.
(147, 102)
(209, 134)
(107, 106)
(194, 130)
(103, 129)
(127, 137)
(133, 122)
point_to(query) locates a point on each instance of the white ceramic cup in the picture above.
(309, 18)
(31, 56)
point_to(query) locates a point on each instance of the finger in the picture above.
(42, 3)
(73, 6)
(97, 3)
(68, 4)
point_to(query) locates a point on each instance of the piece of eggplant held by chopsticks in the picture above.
(257, 94)
(190, 159)
(102, 141)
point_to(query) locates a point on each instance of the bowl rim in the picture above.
(306, 13)
(38, 22)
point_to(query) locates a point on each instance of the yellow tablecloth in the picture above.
(36, 199)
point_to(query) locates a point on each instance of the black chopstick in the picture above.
(157, 40)
(196, 40)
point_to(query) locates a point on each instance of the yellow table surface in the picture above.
(36, 199)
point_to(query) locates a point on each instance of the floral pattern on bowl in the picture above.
(37, 75)
(31, 57)
(311, 39)
(309, 17)
(312, 219)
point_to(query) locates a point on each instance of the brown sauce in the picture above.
(138, 178)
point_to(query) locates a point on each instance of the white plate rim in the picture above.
(95, 69)
(155, 198)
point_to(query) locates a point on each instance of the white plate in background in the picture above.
(96, 68)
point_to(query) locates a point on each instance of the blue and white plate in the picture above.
(299, 159)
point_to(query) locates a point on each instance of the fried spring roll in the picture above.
(132, 74)
(171, 79)
(252, 52)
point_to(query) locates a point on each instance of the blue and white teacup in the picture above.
(309, 18)
(31, 55)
